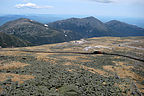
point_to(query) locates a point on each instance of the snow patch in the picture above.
(79, 42)
(45, 25)
(87, 48)
(94, 47)
(100, 46)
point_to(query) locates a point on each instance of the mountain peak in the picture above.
(119, 23)
(23, 20)
(115, 22)
(19, 21)
(91, 17)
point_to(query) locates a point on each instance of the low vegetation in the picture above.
(55, 74)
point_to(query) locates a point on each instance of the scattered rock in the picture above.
(104, 83)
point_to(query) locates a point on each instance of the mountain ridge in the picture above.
(124, 29)
(86, 26)
(35, 32)
(91, 25)
(66, 30)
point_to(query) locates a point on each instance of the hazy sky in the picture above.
(124, 8)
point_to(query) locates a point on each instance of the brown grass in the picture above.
(141, 87)
(51, 60)
(12, 65)
(40, 56)
(123, 87)
(71, 70)
(70, 57)
(45, 58)
(12, 53)
(124, 71)
(1, 89)
(73, 49)
(68, 49)
(92, 70)
(116, 57)
(123, 64)
(68, 63)
(83, 58)
(107, 38)
(15, 77)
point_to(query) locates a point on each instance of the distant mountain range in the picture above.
(47, 18)
(39, 18)
(34, 33)
(92, 27)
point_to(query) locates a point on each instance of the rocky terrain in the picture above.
(65, 74)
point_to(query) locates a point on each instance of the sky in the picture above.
(117, 8)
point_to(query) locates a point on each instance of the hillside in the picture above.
(34, 32)
(66, 30)
(92, 27)
(65, 74)
(7, 40)
(87, 27)
(123, 29)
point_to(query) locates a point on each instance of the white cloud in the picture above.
(31, 5)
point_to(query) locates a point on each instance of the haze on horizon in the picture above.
(117, 8)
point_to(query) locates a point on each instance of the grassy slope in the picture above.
(71, 74)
